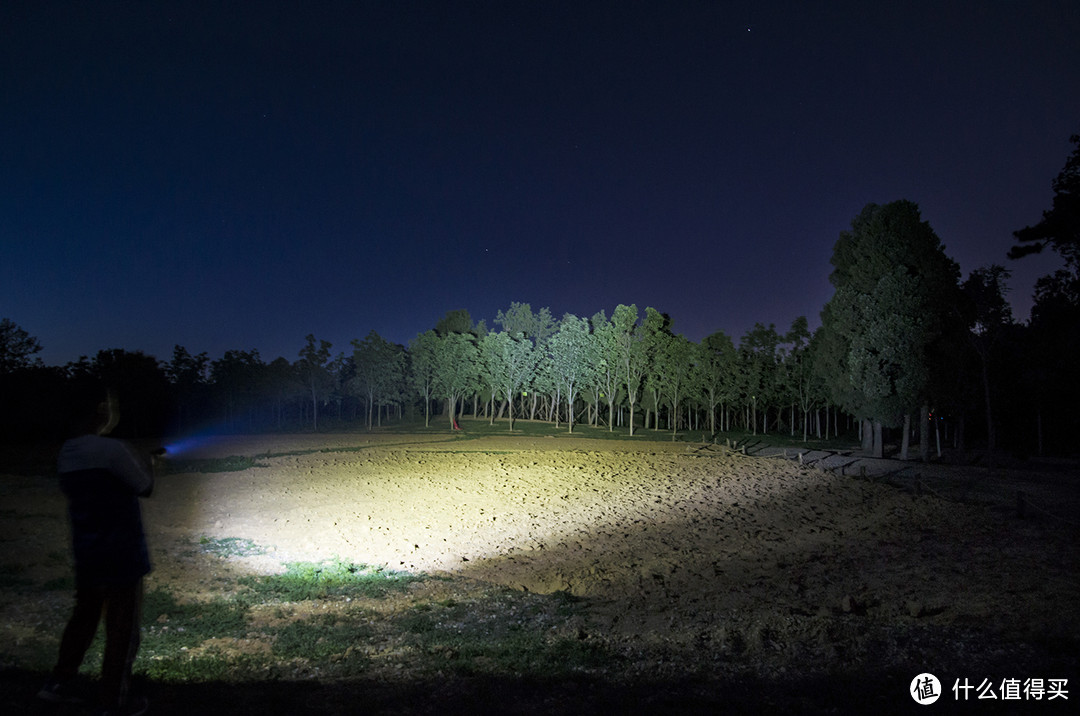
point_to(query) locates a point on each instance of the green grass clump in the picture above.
(327, 580)
(230, 546)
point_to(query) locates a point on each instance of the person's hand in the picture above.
(157, 459)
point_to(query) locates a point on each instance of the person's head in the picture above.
(96, 412)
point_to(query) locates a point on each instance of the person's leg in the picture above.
(123, 622)
(79, 632)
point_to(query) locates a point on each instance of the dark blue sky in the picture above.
(238, 178)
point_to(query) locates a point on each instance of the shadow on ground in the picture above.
(875, 693)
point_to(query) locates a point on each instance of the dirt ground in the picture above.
(694, 561)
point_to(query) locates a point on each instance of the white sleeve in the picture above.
(132, 471)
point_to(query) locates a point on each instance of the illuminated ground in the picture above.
(693, 562)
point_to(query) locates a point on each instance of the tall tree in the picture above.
(380, 369)
(16, 347)
(652, 336)
(457, 370)
(1054, 340)
(456, 321)
(632, 356)
(187, 374)
(894, 286)
(573, 360)
(236, 380)
(717, 368)
(608, 375)
(758, 362)
(422, 353)
(798, 370)
(283, 386)
(675, 372)
(989, 320)
(313, 368)
(1060, 225)
(509, 361)
(537, 328)
(20, 395)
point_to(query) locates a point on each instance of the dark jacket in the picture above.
(103, 481)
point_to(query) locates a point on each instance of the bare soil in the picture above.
(719, 579)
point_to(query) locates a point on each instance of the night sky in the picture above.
(238, 178)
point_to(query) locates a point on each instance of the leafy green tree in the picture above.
(717, 369)
(457, 321)
(457, 370)
(652, 335)
(758, 363)
(797, 375)
(519, 318)
(380, 372)
(312, 366)
(573, 360)
(675, 372)
(537, 328)
(632, 355)
(1060, 225)
(894, 286)
(16, 347)
(423, 359)
(510, 360)
(608, 376)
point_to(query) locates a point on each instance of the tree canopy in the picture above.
(895, 289)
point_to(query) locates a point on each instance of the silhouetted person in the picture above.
(103, 481)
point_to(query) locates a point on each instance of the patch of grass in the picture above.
(230, 546)
(319, 642)
(232, 463)
(183, 668)
(174, 625)
(327, 580)
(502, 634)
(488, 631)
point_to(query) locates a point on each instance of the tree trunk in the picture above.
(1038, 431)
(924, 434)
(866, 432)
(879, 447)
(990, 437)
(906, 440)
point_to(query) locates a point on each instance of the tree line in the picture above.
(906, 350)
